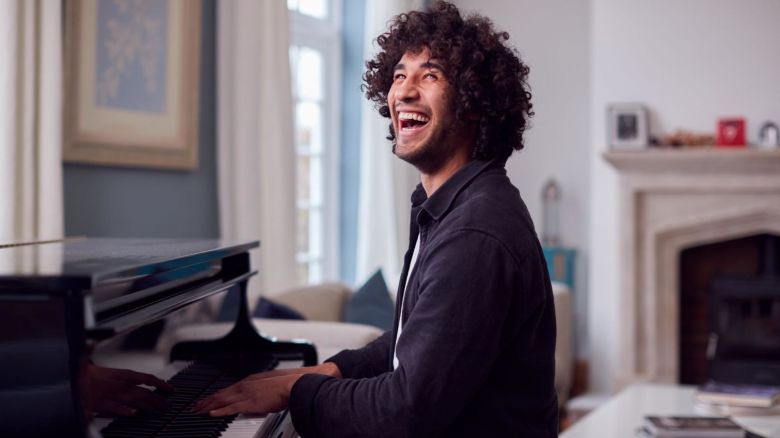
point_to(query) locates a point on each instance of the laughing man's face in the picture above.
(421, 112)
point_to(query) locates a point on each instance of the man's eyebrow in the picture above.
(426, 64)
(432, 64)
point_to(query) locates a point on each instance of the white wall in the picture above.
(690, 62)
(552, 37)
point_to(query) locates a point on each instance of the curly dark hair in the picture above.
(489, 81)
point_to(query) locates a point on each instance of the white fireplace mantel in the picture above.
(671, 200)
(701, 160)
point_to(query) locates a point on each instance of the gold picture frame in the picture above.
(131, 83)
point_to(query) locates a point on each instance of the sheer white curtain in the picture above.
(30, 120)
(255, 137)
(385, 181)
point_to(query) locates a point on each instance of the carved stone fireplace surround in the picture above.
(672, 200)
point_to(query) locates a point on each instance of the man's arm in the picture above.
(449, 343)
(270, 391)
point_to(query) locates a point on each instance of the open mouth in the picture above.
(410, 122)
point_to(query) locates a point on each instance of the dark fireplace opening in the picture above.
(730, 311)
(747, 328)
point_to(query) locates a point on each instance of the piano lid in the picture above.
(90, 263)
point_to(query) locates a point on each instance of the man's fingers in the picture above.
(318, 369)
(268, 374)
(234, 408)
(219, 399)
(284, 372)
(209, 401)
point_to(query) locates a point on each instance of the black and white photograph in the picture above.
(627, 126)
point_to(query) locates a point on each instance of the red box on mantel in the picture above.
(731, 132)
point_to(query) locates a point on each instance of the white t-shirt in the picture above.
(406, 286)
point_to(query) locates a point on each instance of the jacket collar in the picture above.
(441, 200)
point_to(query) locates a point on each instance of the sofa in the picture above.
(322, 306)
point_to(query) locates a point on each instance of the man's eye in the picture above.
(399, 77)
(430, 76)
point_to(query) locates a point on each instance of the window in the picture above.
(315, 59)
(312, 8)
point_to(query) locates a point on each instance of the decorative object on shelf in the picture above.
(627, 124)
(731, 132)
(769, 136)
(131, 87)
(560, 264)
(551, 200)
(683, 138)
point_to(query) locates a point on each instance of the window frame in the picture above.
(325, 36)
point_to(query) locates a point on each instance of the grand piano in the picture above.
(64, 304)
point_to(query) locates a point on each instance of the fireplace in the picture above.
(745, 323)
(730, 311)
(671, 203)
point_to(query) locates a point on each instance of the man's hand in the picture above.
(116, 392)
(260, 393)
(254, 395)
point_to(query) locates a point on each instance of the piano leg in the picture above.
(243, 341)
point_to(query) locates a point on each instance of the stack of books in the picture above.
(689, 427)
(749, 396)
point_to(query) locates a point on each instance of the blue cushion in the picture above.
(268, 309)
(371, 304)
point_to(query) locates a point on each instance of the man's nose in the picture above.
(407, 90)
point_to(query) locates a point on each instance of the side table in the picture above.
(621, 415)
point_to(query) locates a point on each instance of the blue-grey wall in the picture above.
(351, 96)
(123, 202)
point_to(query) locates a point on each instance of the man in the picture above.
(472, 351)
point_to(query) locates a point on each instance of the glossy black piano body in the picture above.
(59, 300)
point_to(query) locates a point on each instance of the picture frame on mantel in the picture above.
(627, 126)
(131, 83)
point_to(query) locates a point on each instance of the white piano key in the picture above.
(245, 426)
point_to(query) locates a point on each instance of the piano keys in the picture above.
(193, 382)
(61, 303)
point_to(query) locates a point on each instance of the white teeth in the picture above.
(412, 116)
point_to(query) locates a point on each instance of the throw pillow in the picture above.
(371, 304)
(268, 309)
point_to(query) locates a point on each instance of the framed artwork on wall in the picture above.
(627, 125)
(131, 83)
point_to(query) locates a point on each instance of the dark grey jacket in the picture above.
(476, 354)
